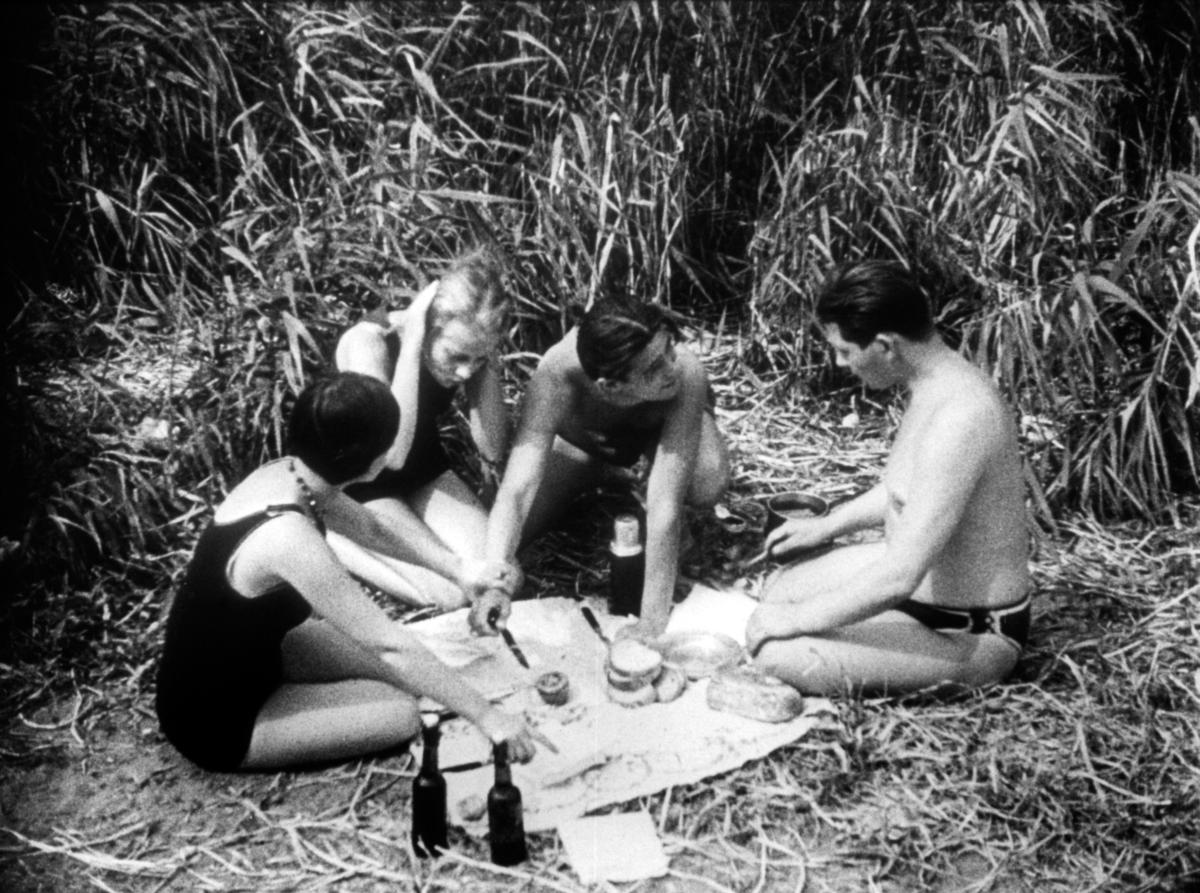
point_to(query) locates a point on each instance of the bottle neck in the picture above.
(429, 758)
(500, 758)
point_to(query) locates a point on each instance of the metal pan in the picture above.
(785, 506)
(700, 654)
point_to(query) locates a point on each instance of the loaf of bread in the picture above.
(754, 695)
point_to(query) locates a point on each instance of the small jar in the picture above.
(554, 688)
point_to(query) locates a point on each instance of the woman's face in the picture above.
(458, 351)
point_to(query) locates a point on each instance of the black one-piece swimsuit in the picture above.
(221, 658)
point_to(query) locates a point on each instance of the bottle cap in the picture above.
(626, 537)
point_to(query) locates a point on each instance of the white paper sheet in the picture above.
(618, 847)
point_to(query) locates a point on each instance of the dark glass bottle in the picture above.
(626, 568)
(429, 796)
(506, 826)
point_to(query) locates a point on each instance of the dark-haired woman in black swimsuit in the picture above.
(274, 656)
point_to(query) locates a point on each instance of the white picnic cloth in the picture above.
(607, 753)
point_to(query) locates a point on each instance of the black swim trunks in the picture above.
(1010, 622)
(221, 659)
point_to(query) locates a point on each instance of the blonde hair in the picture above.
(471, 291)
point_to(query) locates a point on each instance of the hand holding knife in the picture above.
(493, 618)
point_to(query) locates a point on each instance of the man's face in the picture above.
(654, 375)
(872, 365)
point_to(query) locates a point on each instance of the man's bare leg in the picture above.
(890, 653)
(828, 568)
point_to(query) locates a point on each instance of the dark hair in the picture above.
(341, 424)
(615, 331)
(875, 296)
(483, 297)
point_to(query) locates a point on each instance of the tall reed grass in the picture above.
(239, 181)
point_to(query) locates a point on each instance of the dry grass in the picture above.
(1079, 774)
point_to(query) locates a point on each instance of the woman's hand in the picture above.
(646, 630)
(796, 535)
(477, 575)
(489, 613)
(500, 726)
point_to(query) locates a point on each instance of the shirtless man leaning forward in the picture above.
(615, 388)
(944, 597)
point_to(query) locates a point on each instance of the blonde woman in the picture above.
(444, 344)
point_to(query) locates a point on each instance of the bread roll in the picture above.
(632, 658)
(754, 695)
(638, 698)
(622, 682)
(472, 807)
(670, 683)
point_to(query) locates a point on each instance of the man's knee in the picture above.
(992, 661)
(799, 663)
(773, 589)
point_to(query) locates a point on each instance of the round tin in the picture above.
(554, 687)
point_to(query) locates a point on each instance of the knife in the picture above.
(761, 556)
(493, 616)
(593, 622)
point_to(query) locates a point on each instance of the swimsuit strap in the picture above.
(277, 509)
(247, 524)
(251, 522)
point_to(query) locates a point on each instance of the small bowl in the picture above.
(787, 506)
(554, 687)
(743, 516)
